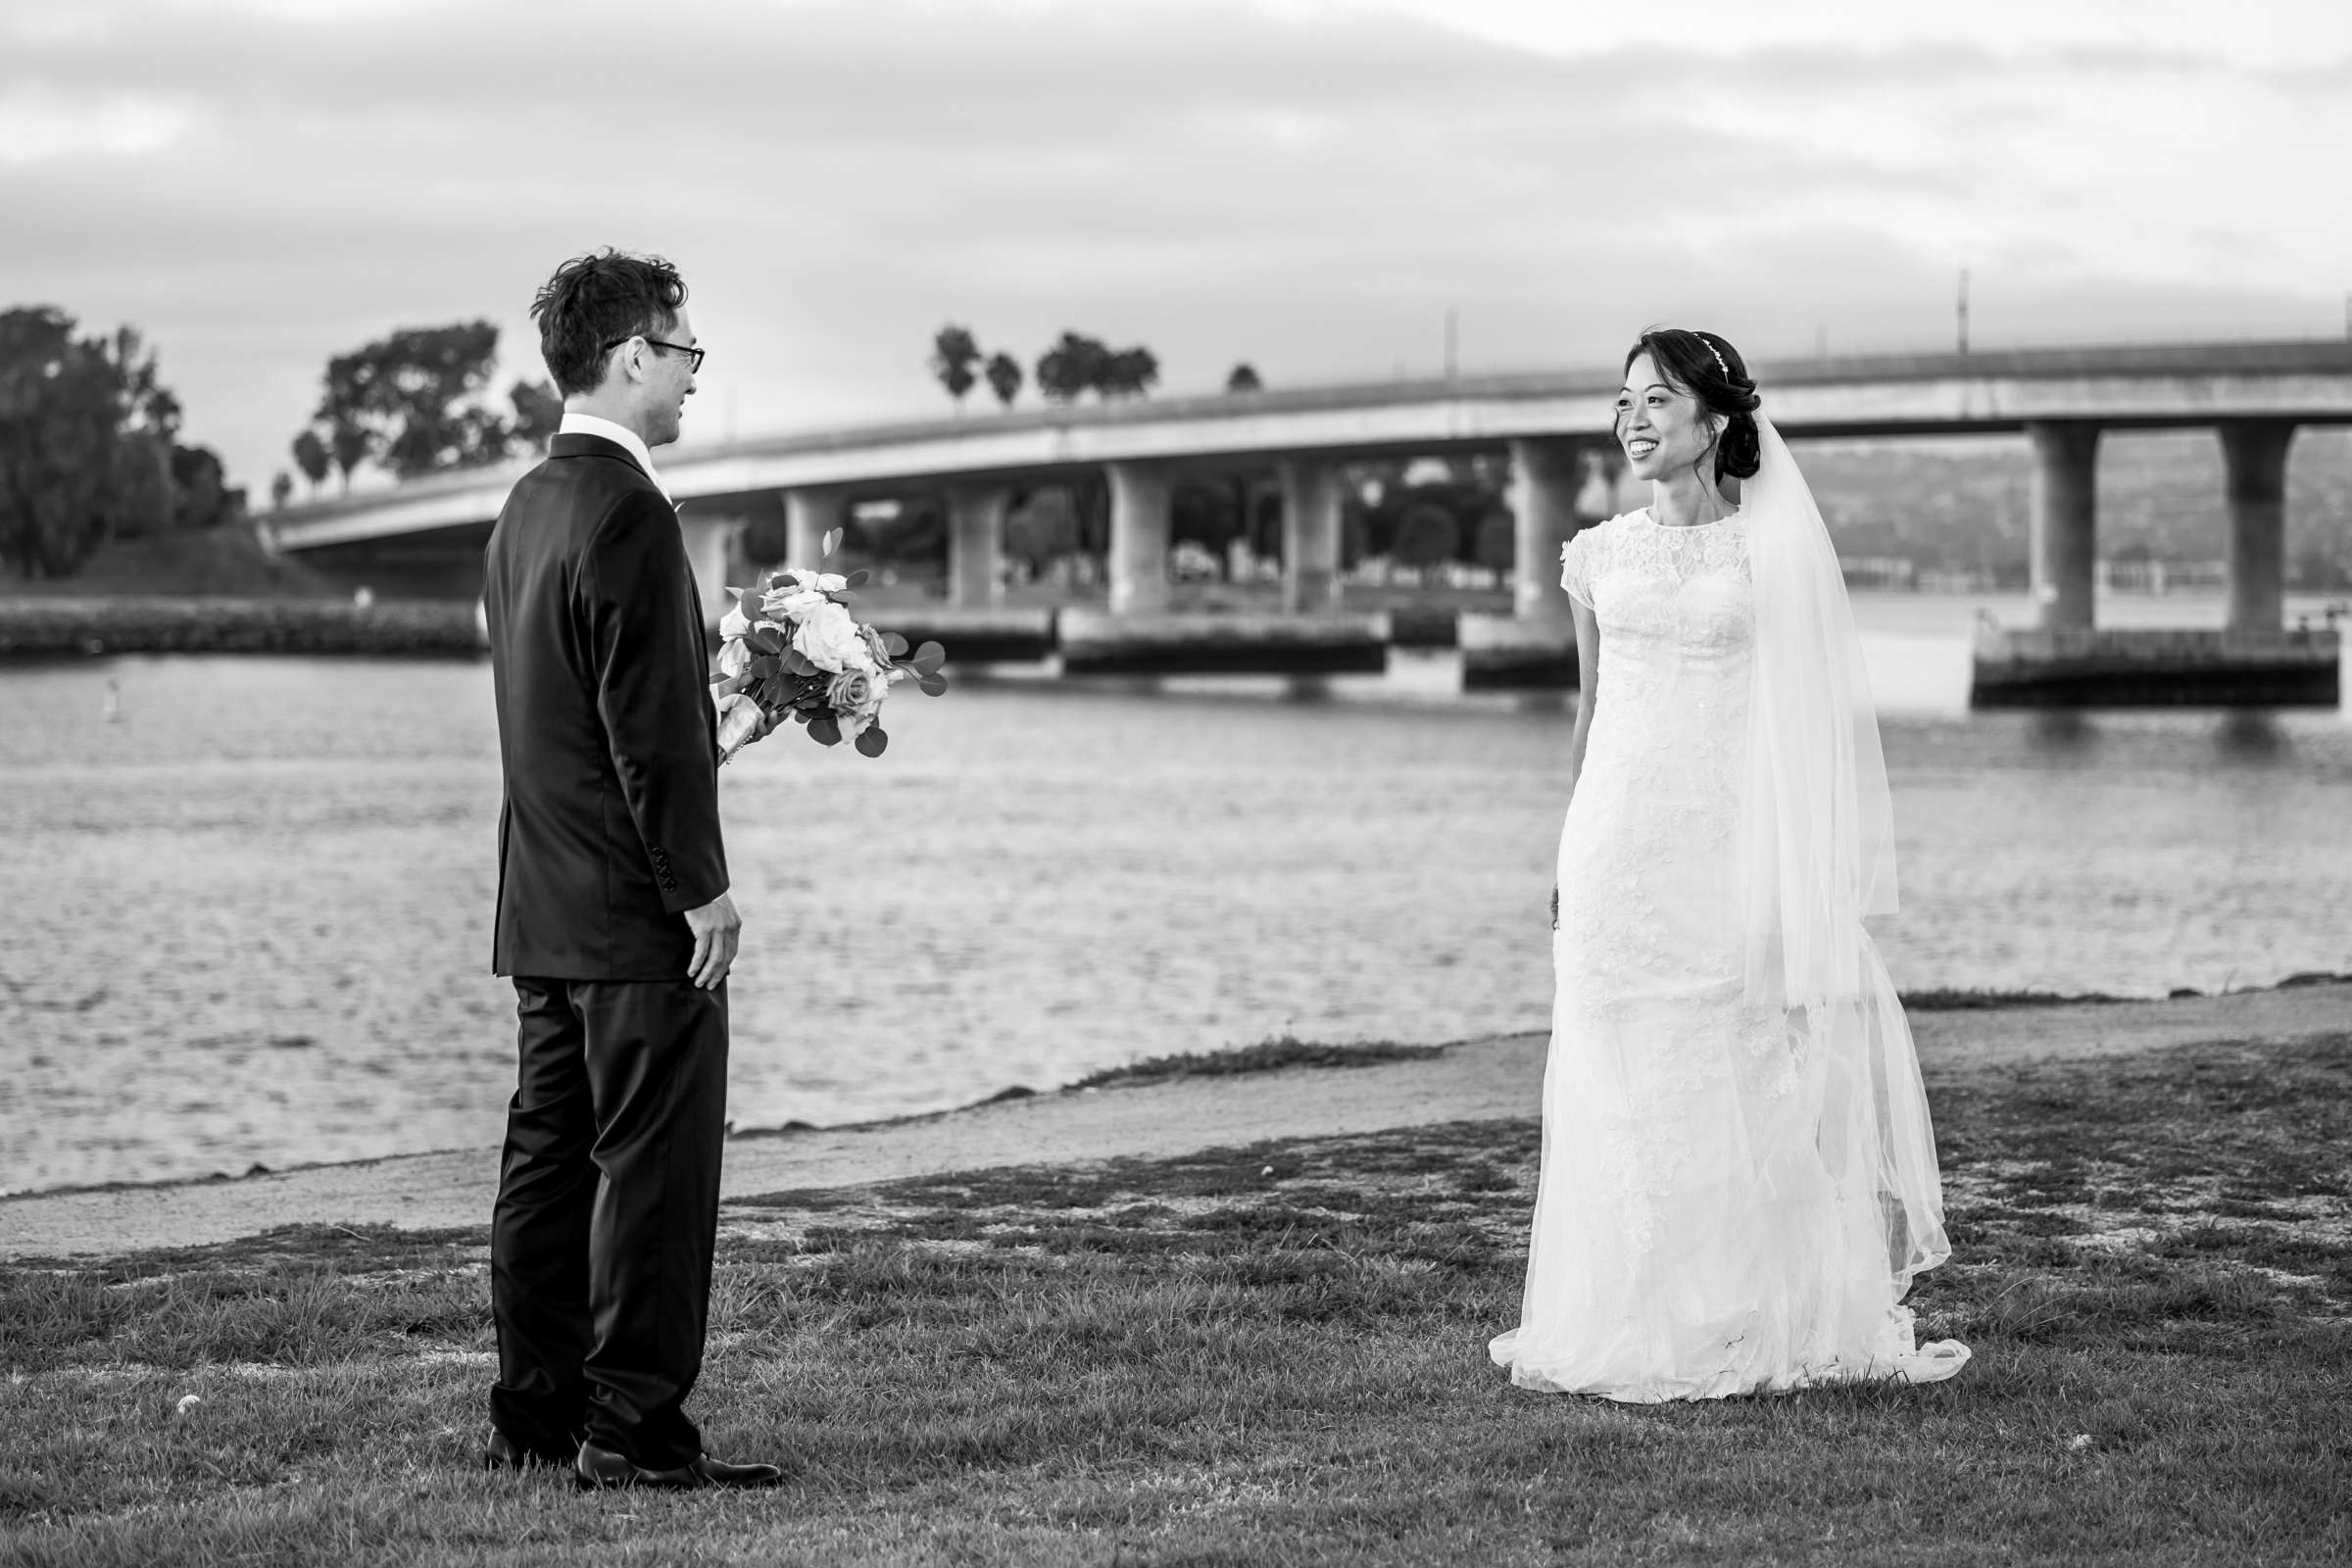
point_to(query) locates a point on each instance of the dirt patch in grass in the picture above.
(1273, 1354)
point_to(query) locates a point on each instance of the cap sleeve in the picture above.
(1580, 563)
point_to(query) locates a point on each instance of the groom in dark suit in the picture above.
(612, 912)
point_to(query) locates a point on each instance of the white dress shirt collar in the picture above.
(620, 435)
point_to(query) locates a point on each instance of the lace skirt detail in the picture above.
(1689, 1241)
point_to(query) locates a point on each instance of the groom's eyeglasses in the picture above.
(694, 356)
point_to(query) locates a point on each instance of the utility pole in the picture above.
(1452, 337)
(1964, 310)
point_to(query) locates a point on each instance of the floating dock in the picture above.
(1503, 653)
(1096, 642)
(2081, 666)
(974, 634)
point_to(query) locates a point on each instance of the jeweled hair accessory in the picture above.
(1718, 353)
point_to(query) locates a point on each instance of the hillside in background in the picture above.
(1964, 504)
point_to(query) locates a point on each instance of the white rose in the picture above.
(734, 657)
(734, 623)
(798, 606)
(831, 641)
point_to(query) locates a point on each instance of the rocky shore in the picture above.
(65, 628)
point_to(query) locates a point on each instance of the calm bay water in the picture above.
(245, 919)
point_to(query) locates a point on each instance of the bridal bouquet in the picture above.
(791, 649)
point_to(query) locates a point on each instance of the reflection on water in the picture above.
(2252, 737)
(246, 920)
(2063, 729)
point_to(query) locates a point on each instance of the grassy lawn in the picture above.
(1273, 1354)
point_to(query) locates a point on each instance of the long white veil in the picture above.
(1818, 855)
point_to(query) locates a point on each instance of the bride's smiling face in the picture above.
(1661, 427)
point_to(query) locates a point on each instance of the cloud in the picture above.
(1308, 186)
(2262, 33)
(39, 124)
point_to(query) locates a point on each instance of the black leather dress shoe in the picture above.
(503, 1452)
(600, 1467)
(719, 1473)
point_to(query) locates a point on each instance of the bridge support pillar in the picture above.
(1138, 537)
(2254, 456)
(1310, 535)
(1557, 485)
(808, 516)
(715, 550)
(975, 543)
(2065, 525)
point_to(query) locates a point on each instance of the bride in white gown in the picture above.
(1739, 1176)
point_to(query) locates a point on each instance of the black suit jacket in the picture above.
(607, 733)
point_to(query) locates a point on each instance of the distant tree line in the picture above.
(1075, 366)
(417, 402)
(90, 447)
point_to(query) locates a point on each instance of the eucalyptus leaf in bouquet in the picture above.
(791, 650)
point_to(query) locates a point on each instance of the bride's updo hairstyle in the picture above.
(1711, 371)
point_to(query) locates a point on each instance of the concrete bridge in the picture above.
(1555, 426)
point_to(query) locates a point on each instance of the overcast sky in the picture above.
(1306, 184)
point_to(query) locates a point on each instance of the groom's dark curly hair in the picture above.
(1707, 367)
(596, 300)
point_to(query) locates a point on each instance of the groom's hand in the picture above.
(717, 932)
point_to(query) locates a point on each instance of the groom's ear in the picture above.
(623, 364)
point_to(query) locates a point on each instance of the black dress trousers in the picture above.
(608, 1215)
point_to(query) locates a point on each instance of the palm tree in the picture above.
(954, 354)
(1004, 376)
(311, 457)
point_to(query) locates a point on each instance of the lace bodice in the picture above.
(1642, 578)
(1676, 619)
